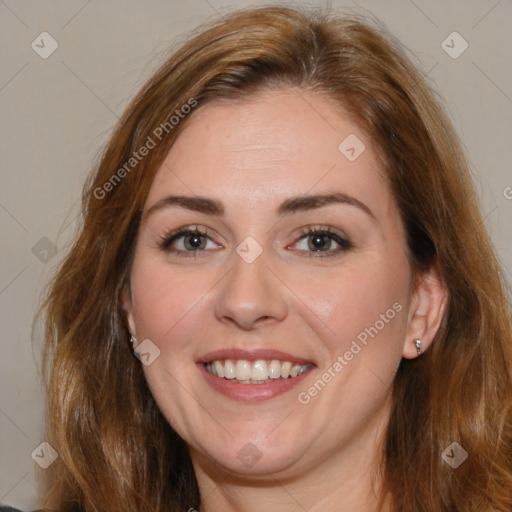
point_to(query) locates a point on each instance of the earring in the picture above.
(133, 339)
(418, 345)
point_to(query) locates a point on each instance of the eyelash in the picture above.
(165, 242)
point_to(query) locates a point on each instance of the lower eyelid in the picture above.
(172, 239)
(341, 240)
(343, 246)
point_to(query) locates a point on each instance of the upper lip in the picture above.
(251, 355)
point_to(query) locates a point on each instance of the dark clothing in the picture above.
(6, 508)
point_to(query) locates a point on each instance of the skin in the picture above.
(251, 156)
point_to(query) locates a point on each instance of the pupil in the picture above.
(195, 241)
(318, 241)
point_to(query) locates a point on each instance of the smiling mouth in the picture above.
(261, 371)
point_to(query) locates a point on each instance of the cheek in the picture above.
(165, 299)
(360, 301)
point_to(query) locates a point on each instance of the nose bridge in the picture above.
(250, 291)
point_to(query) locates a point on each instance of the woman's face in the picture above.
(296, 265)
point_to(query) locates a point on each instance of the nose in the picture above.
(251, 295)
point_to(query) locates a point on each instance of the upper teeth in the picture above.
(259, 370)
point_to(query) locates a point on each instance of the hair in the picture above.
(116, 450)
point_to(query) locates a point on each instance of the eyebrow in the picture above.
(291, 205)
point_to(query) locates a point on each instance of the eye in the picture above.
(187, 241)
(315, 241)
(322, 241)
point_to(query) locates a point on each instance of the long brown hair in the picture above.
(116, 450)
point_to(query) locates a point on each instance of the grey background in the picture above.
(58, 112)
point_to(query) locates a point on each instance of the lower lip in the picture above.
(251, 392)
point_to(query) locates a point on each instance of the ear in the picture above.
(426, 311)
(126, 304)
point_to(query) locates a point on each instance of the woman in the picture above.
(282, 295)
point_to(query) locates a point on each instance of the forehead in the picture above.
(275, 143)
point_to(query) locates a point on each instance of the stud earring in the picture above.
(418, 345)
(133, 339)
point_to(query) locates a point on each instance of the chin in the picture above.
(245, 455)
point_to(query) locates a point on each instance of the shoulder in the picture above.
(6, 508)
